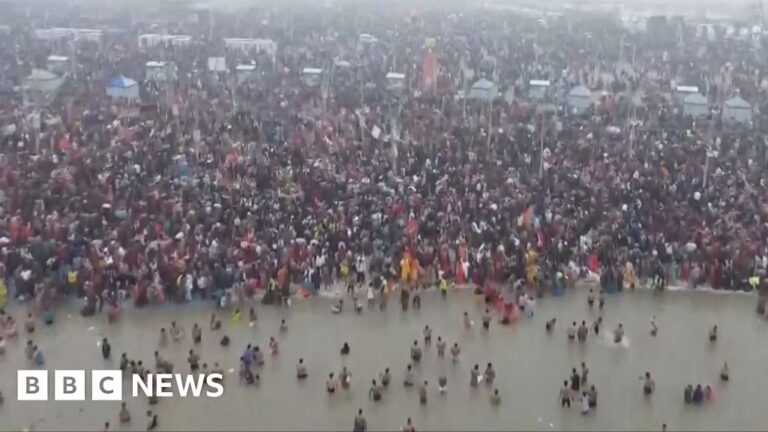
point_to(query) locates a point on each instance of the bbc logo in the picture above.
(69, 385)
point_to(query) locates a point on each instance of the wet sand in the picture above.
(530, 367)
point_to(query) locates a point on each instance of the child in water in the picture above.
(550, 325)
(618, 335)
(273, 346)
(654, 329)
(442, 383)
(713, 334)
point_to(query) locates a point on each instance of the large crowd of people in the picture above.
(322, 171)
(223, 188)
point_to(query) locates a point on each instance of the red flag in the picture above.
(428, 71)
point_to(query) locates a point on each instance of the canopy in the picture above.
(738, 110)
(579, 98)
(123, 87)
(580, 92)
(737, 102)
(42, 80)
(483, 89)
(695, 105)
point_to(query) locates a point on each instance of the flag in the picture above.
(428, 71)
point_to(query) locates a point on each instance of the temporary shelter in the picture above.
(538, 89)
(247, 44)
(695, 105)
(123, 87)
(682, 91)
(483, 89)
(57, 64)
(395, 81)
(244, 72)
(157, 71)
(43, 81)
(312, 76)
(737, 110)
(579, 98)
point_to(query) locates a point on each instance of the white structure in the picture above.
(151, 40)
(245, 72)
(579, 98)
(312, 76)
(737, 110)
(157, 71)
(247, 45)
(217, 64)
(123, 87)
(57, 64)
(538, 89)
(367, 39)
(43, 81)
(681, 92)
(59, 33)
(484, 90)
(395, 81)
(695, 105)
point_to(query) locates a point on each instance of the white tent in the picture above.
(157, 70)
(123, 87)
(312, 76)
(395, 81)
(43, 81)
(245, 72)
(538, 89)
(247, 44)
(579, 98)
(738, 110)
(483, 89)
(695, 105)
(57, 64)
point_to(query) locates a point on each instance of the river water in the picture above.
(530, 365)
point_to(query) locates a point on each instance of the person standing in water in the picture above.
(423, 393)
(572, 332)
(725, 374)
(713, 334)
(197, 334)
(408, 426)
(455, 351)
(106, 349)
(427, 335)
(591, 298)
(596, 326)
(301, 370)
(487, 320)
(416, 352)
(601, 300)
(474, 376)
(440, 347)
(618, 335)
(654, 329)
(361, 424)
(649, 385)
(582, 332)
(375, 391)
(565, 395)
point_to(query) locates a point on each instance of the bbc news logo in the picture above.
(107, 385)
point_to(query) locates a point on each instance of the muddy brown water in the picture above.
(530, 366)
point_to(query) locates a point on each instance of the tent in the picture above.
(737, 110)
(123, 87)
(484, 90)
(695, 105)
(57, 64)
(395, 81)
(579, 98)
(312, 76)
(538, 89)
(157, 70)
(43, 81)
(244, 72)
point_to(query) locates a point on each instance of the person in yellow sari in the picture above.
(630, 278)
(405, 268)
(3, 294)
